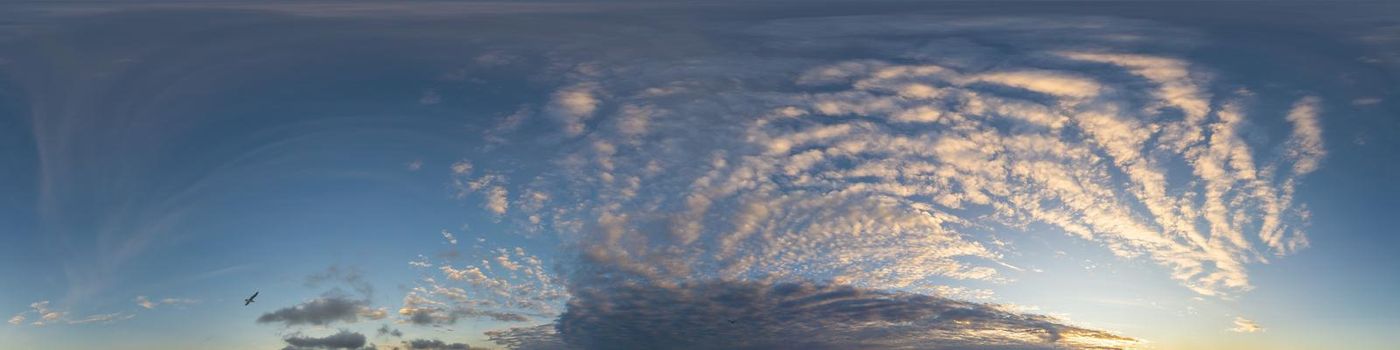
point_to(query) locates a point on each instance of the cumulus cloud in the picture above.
(341, 340)
(323, 311)
(1244, 325)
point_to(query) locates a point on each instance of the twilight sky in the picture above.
(699, 175)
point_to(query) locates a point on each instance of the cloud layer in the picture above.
(751, 315)
(341, 340)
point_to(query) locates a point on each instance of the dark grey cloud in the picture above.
(753, 315)
(322, 311)
(384, 330)
(342, 340)
(446, 316)
(434, 344)
(541, 337)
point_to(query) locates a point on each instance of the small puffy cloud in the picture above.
(462, 167)
(496, 200)
(384, 330)
(17, 319)
(342, 340)
(448, 236)
(492, 186)
(634, 120)
(414, 165)
(1244, 325)
(421, 262)
(434, 344)
(323, 311)
(574, 105)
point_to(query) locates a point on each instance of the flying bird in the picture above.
(250, 299)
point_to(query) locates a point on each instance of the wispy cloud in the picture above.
(143, 302)
(1244, 325)
(1366, 101)
(48, 316)
(102, 318)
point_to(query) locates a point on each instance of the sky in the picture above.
(699, 175)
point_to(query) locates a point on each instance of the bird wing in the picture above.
(255, 295)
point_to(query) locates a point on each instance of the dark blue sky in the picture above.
(686, 175)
